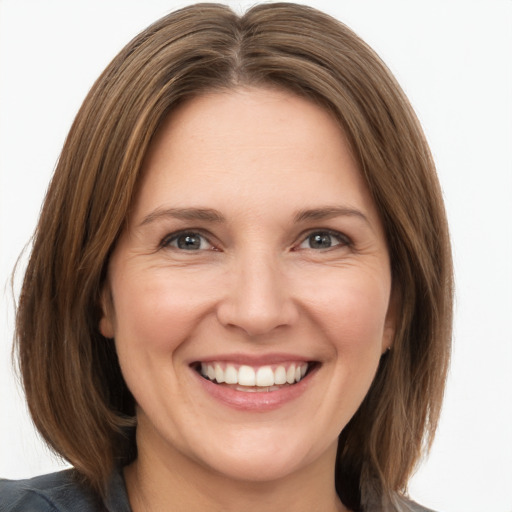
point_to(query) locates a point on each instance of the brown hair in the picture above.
(74, 387)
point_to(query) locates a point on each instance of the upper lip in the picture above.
(253, 359)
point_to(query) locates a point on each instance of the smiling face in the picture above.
(249, 293)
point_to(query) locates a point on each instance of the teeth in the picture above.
(264, 377)
(246, 376)
(280, 375)
(290, 374)
(219, 374)
(230, 375)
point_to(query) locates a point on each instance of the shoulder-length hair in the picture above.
(74, 387)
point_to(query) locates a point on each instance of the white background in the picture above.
(454, 60)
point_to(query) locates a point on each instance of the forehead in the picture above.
(250, 145)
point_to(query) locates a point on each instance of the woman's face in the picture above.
(248, 296)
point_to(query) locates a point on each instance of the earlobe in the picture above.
(106, 327)
(388, 335)
(106, 323)
(387, 338)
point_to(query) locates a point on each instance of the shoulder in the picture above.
(56, 492)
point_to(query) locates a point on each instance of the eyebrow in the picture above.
(328, 212)
(204, 214)
(211, 215)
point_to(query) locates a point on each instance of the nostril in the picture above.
(256, 321)
(257, 300)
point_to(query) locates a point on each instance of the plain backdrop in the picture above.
(454, 60)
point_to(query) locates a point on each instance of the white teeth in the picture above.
(265, 376)
(219, 374)
(280, 375)
(246, 376)
(230, 375)
(290, 374)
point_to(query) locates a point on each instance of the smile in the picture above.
(249, 378)
(252, 384)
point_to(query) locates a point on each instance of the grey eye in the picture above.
(324, 240)
(320, 241)
(188, 241)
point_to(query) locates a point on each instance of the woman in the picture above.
(239, 293)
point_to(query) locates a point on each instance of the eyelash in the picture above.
(343, 240)
(173, 237)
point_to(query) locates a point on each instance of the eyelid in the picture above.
(345, 240)
(171, 237)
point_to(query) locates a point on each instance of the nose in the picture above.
(258, 298)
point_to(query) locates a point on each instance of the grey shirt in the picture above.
(63, 492)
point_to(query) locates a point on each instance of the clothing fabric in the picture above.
(63, 492)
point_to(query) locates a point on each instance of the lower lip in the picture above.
(257, 401)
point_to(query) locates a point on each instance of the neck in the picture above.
(159, 480)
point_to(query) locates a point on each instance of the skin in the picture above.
(256, 286)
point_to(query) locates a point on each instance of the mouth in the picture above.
(255, 379)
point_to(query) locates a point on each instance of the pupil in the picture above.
(320, 241)
(189, 242)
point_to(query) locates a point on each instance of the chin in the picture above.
(266, 456)
(258, 468)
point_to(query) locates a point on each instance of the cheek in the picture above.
(352, 310)
(354, 322)
(155, 317)
(156, 313)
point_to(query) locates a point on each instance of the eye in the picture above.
(187, 241)
(324, 240)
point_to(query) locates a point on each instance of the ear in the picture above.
(106, 323)
(388, 335)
